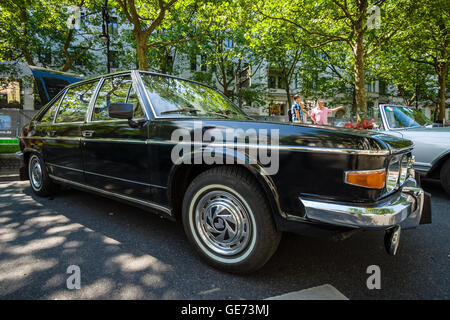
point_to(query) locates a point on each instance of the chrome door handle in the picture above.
(87, 133)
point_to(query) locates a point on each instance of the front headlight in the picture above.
(393, 174)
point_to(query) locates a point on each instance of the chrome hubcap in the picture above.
(36, 173)
(223, 223)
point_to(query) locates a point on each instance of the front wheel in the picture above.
(445, 176)
(228, 220)
(40, 182)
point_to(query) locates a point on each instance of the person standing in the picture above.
(297, 110)
(319, 115)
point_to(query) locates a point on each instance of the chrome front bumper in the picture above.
(405, 210)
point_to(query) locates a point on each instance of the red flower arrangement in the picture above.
(360, 125)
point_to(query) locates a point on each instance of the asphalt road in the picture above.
(126, 253)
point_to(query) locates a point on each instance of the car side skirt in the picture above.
(167, 212)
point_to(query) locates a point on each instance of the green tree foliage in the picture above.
(37, 32)
(425, 41)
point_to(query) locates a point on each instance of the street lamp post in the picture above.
(105, 33)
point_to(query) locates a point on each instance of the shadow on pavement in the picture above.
(126, 253)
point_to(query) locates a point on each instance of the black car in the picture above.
(184, 151)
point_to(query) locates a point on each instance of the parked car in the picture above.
(432, 142)
(148, 139)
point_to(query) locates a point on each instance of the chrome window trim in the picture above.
(146, 94)
(59, 104)
(74, 86)
(114, 194)
(135, 77)
(40, 113)
(135, 84)
(65, 123)
(55, 138)
(94, 99)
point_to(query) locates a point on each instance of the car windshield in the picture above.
(404, 117)
(172, 97)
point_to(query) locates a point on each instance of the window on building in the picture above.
(113, 26)
(272, 82)
(193, 62)
(45, 55)
(275, 80)
(11, 93)
(281, 83)
(230, 70)
(229, 43)
(203, 63)
(114, 61)
(383, 87)
(371, 87)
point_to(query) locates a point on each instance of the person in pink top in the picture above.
(319, 115)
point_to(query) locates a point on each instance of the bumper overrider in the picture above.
(407, 209)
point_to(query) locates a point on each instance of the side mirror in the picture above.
(121, 110)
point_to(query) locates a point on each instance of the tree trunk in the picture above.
(142, 50)
(442, 77)
(288, 90)
(359, 53)
(360, 82)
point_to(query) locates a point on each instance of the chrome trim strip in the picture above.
(115, 140)
(404, 210)
(63, 167)
(59, 104)
(110, 177)
(136, 79)
(137, 74)
(94, 99)
(118, 195)
(125, 180)
(282, 147)
(91, 139)
(54, 138)
(403, 150)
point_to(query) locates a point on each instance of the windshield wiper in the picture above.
(179, 110)
(219, 114)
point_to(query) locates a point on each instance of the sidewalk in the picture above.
(9, 167)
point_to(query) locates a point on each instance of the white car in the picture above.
(432, 144)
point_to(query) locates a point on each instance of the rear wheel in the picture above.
(228, 220)
(445, 176)
(40, 182)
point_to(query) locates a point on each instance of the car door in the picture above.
(115, 152)
(63, 150)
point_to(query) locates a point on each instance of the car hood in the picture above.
(302, 135)
(436, 132)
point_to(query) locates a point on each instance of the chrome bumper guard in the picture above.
(404, 210)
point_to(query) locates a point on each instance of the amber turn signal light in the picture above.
(374, 179)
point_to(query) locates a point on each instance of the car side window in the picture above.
(49, 115)
(75, 104)
(116, 90)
